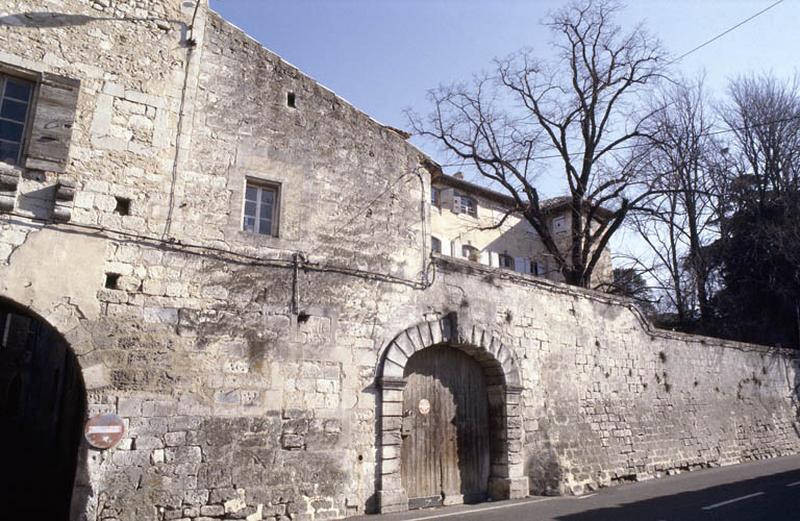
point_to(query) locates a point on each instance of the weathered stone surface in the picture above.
(245, 366)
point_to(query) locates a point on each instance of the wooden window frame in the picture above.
(459, 206)
(29, 111)
(261, 186)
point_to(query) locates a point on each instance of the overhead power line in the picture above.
(676, 60)
(723, 33)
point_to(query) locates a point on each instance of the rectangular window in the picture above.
(506, 261)
(538, 268)
(560, 224)
(465, 204)
(436, 245)
(261, 208)
(15, 101)
(470, 252)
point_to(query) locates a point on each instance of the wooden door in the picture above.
(42, 408)
(445, 448)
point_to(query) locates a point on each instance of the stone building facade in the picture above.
(473, 222)
(262, 374)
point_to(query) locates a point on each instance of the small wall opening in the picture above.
(123, 206)
(291, 100)
(112, 280)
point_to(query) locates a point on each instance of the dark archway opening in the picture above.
(447, 428)
(42, 410)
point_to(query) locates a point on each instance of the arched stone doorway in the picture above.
(42, 409)
(488, 460)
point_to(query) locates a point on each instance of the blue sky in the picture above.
(383, 55)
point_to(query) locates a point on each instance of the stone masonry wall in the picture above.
(608, 399)
(245, 366)
(238, 362)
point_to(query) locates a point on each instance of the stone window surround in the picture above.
(237, 181)
(262, 186)
(507, 479)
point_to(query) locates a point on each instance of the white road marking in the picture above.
(587, 496)
(477, 510)
(734, 500)
(793, 484)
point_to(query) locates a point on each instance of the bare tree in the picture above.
(679, 216)
(579, 108)
(764, 116)
(759, 254)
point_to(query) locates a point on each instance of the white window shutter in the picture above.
(485, 258)
(446, 198)
(494, 259)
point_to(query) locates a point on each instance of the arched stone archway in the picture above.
(42, 410)
(507, 479)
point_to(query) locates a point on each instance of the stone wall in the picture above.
(247, 368)
(608, 399)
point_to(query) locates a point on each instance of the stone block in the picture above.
(129, 407)
(161, 315)
(157, 456)
(212, 510)
(144, 442)
(390, 501)
(234, 505)
(183, 455)
(173, 439)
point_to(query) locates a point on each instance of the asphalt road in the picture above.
(765, 490)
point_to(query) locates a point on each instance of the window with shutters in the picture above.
(465, 204)
(37, 112)
(15, 102)
(506, 261)
(261, 208)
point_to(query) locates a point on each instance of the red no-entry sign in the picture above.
(104, 431)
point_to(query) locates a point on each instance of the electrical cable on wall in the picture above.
(227, 255)
(191, 44)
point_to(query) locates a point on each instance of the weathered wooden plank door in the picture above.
(445, 448)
